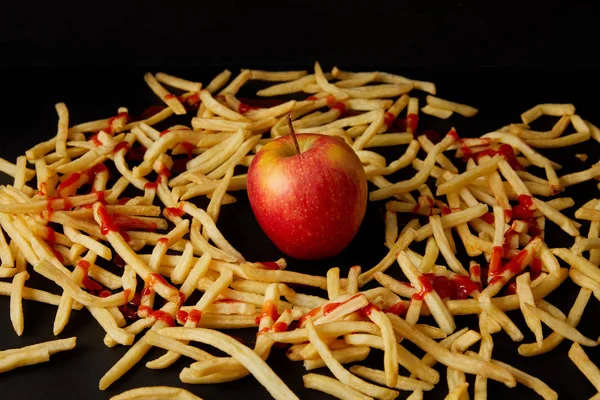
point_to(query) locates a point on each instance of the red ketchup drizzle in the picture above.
(126, 222)
(157, 315)
(101, 196)
(57, 255)
(195, 316)
(104, 293)
(464, 286)
(71, 180)
(269, 309)
(191, 102)
(163, 241)
(174, 212)
(453, 134)
(121, 146)
(367, 310)
(189, 148)
(270, 265)
(280, 327)
(505, 150)
(475, 271)
(106, 222)
(514, 266)
(311, 313)
(226, 301)
(488, 217)
(458, 287)
(508, 235)
(181, 298)
(399, 309)
(426, 287)
(122, 115)
(412, 121)
(163, 133)
(525, 208)
(94, 139)
(50, 236)
(328, 308)
(154, 278)
(446, 210)
(533, 228)
(151, 111)
(124, 200)
(536, 268)
(496, 259)
(466, 151)
(244, 108)
(181, 316)
(389, 119)
(129, 310)
(146, 291)
(340, 106)
(169, 97)
(312, 98)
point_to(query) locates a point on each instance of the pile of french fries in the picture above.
(64, 210)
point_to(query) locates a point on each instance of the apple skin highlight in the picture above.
(310, 204)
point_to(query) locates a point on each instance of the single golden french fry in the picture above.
(332, 387)
(462, 109)
(585, 365)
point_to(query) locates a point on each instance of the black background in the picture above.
(502, 60)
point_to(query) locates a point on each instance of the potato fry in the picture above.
(455, 360)
(462, 109)
(241, 353)
(436, 112)
(379, 377)
(332, 387)
(585, 365)
(16, 307)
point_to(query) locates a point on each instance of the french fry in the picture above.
(16, 307)
(332, 387)
(379, 377)
(562, 327)
(419, 178)
(461, 109)
(342, 356)
(178, 83)
(435, 304)
(436, 112)
(585, 365)
(241, 353)
(22, 359)
(157, 393)
(526, 297)
(340, 372)
(443, 355)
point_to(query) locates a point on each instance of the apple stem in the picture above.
(289, 120)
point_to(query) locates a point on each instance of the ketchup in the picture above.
(399, 308)
(106, 222)
(270, 265)
(174, 212)
(269, 309)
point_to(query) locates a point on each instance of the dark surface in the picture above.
(500, 93)
(225, 32)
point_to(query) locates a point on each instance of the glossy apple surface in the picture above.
(309, 204)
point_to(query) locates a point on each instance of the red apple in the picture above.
(311, 203)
